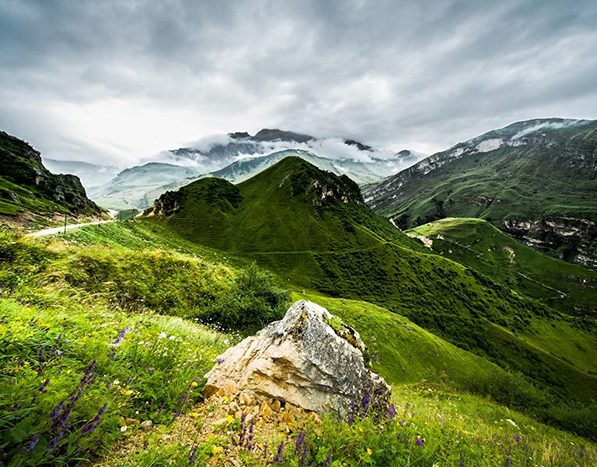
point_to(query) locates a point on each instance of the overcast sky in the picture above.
(117, 80)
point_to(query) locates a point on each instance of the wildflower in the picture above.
(194, 414)
(517, 438)
(369, 452)
(278, 457)
(92, 425)
(216, 449)
(328, 461)
(221, 360)
(123, 428)
(150, 368)
(145, 445)
(121, 336)
(194, 384)
(175, 416)
(392, 411)
(229, 419)
(304, 457)
(193, 455)
(365, 402)
(226, 399)
(299, 442)
(32, 442)
(361, 429)
(163, 335)
(172, 338)
(419, 441)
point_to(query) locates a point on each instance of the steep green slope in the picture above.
(312, 229)
(477, 244)
(536, 180)
(26, 185)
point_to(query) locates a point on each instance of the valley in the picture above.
(481, 337)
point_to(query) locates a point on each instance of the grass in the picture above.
(27, 186)
(92, 284)
(477, 244)
(550, 179)
(145, 369)
(430, 427)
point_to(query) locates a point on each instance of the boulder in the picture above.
(309, 358)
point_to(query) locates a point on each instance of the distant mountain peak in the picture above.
(280, 135)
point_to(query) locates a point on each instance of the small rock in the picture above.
(265, 410)
(146, 425)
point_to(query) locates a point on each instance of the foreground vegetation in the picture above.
(111, 315)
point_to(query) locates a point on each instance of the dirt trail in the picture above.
(55, 230)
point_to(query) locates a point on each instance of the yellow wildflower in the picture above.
(226, 399)
(229, 419)
(194, 384)
(360, 429)
(369, 451)
(216, 449)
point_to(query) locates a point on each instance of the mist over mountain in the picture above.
(237, 157)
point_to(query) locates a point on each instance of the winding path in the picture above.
(55, 230)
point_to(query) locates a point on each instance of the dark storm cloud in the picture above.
(85, 79)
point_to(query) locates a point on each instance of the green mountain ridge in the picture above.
(536, 180)
(477, 244)
(312, 229)
(27, 186)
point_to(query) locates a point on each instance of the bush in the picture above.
(252, 302)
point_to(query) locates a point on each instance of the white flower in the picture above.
(172, 338)
(141, 342)
(163, 335)
(123, 428)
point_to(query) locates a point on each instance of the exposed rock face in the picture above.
(571, 239)
(304, 361)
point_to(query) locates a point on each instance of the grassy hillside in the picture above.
(536, 180)
(101, 293)
(27, 186)
(311, 229)
(477, 244)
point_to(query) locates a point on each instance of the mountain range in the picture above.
(535, 180)
(238, 156)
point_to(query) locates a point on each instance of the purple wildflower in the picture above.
(108, 385)
(57, 437)
(31, 444)
(175, 416)
(419, 441)
(366, 401)
(462, 464)
(56, 410)
(305, 456)
(145, 445)
(44, 385)
(278, 457)
(517, 438)
(328, 461)
(150, 368)
(392, 411)
(121, 336)
(93, 424)
(221, 360)
(299, 442)
(161, 408)
(16, 407)
(193, 455)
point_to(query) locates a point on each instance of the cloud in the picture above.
(124, 79)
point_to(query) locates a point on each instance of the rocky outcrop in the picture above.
(568, 238)
(309, 359)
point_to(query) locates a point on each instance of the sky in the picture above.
(115, 81)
